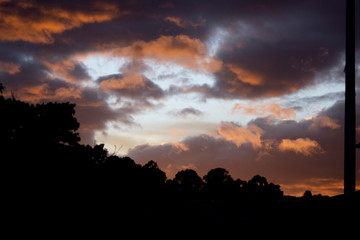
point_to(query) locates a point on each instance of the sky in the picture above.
(252, 86)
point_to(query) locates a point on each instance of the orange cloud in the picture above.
(131, 82)
(33, 94)
(183, 50)
(245, 76)
(175, 20)
(240, 135)
(324, 122)
(43, 92)
(303, 146)
(61, 67)
(133, 86)
(183, 23)
(262, 110)
(35, 23)
(66, 69)
(9, 67)
(67, 93)
(180, 147)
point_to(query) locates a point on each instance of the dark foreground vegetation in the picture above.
(52, 181)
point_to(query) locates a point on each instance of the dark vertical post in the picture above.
(350, 116)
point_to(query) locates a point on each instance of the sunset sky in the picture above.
(252, 86)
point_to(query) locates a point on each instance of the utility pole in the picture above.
(350, 114)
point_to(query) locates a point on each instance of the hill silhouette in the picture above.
(47, 173)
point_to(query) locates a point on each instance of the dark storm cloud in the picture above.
(275, 54)
(244, 76)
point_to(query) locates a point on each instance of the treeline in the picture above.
(51, 181)
(40, 147)
(47, 173)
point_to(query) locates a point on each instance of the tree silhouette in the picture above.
(152, 176)
(219, 183)
(258, 181)
(307, 194)
(188, 181)
(259, 187)
(35, 138)
(218, 177)
(36, 129)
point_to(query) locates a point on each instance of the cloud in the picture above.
(34, 84)
(130, 86)
(262, 110)
(240, 135)
(9, 67)
(287, 152)
(303, 146)
(181, 147)
(37, 23)
(47, 92)
(69, 70)
(188, 52)
(93, 117)
(166, 149)
(64, 94)
(183, 23)
(245, 76)
(324, 122)
(91, 110)
(130, 83)
(263, 54)
(94, 113)
(184, 113)
(266, 55)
